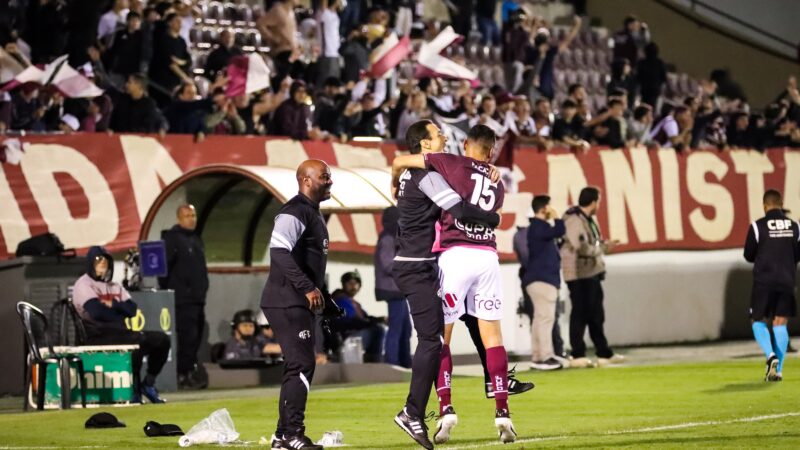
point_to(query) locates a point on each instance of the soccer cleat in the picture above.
(514, 385)
(299, 442)
(275, 443)
(414, 427)
(580, 363)
(445, 425)
(152, 394)
(505, 429)
(548, 364)
(772, 369)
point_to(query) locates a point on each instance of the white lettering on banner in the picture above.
(348, 156)
(285, 153)
(148, 161)
(632, 188)
(40, 164)
(791, 188)
(670, 195)
(12, 223)
(565, 179)
(753, 164)
(365, 229)
(518, 204)
(710, 194)
(336, 231)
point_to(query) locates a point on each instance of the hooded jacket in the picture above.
(583, 248)
(187, 273)
(100, 302)
(385, 287)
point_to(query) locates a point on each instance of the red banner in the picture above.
(96, 189)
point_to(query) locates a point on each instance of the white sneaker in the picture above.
(445, 425)
(615, 359)
(505, 429)
(581, 363)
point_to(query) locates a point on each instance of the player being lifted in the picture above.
(469, 270)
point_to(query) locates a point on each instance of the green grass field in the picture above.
(674, 406)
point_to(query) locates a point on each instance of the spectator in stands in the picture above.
(416, 109)
(126, 52)
(46, 30)
(639, 126)
(27, 111)
(674, 130)
(187, 275)
(727, 87)
(103, 305)
(329, 106)
(188, 12)
(516, 40)
(278, 28)
(328, 21)
(365, 118)
(292, 118)
(485, 10)
(542, 280)
(187, 112)
(584, 270)
(629, 42)
(135, 112)
(543, 117)
(568, 127)
(112, 20)
(738, 127)
(356, 321)
(219, 57)
(651, 74)
(612, 131)
(577, 93)
(68, 124)
(171, 62)
(543, 55)
(398, 336)
(622, 78)
(224, 117)
(356, 56)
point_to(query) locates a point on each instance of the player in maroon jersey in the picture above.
(470, 270)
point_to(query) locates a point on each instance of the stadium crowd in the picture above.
(143, 54)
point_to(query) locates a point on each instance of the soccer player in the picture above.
(470, 271)
(773, 247)
(421, 195)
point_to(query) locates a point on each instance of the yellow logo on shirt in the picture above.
(165, 319)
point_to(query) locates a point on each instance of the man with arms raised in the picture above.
(470, 270)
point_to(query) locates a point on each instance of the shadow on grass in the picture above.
(739, 387)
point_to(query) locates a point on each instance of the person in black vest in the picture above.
(187, 275)
(773, 246)
(292, 295)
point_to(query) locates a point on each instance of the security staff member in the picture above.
(298, 253)
(772, 245)
(187, 275)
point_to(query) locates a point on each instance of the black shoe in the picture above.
(414, 427)
(772, 369)
(152, 394)
(548, 364)
(276, 443)
(299, 442)
(514, 385)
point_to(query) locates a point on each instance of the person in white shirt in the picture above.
(328, 64)
(112, 19)
(675, 130)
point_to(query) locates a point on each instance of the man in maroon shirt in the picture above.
(470, 271)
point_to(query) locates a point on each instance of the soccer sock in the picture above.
(761, 334)
(497, 363)
(445, 375)
(782, 341)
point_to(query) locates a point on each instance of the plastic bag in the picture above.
(215, 429)
(332, 439)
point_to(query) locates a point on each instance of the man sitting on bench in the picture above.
(103, 306)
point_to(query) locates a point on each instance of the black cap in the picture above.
(154, 429)
(243, 316)
(104, 420)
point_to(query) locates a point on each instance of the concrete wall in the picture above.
(697, 50)
(650, 298)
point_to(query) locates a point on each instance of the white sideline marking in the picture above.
(678, 426)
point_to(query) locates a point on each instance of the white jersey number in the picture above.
(482, 194)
